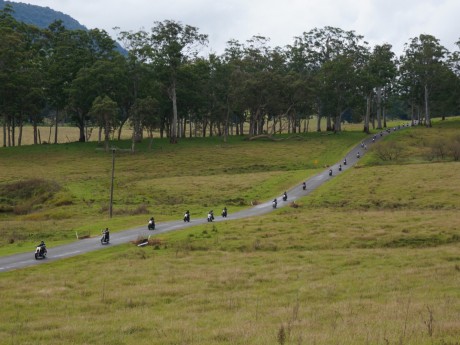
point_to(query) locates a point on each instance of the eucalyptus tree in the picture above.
(232, 76)
(255, 82)
(11, 42)
(103, 78)
(378, 73)
(21, 76)
(104, 110)
(144, 114)
(340, 87)
(196, 98)
(322, 48)
(423, 60)
(66, 52)
(93, 73)
(454, 63)
(170, 44)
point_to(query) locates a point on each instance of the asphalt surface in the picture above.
(17, 261)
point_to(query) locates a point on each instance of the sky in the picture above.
(379, 21)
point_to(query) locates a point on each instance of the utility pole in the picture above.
(111, 185)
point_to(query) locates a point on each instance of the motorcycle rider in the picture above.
(340, 167)
(42, 248)
(304, 186)
(106, 235)
(151, 225)
(330, 172)
(274, 203)
(187, 216)
(345, 161)
(210, 216)
(284, 196)
(357, 155)
(224, 212)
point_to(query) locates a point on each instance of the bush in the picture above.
(388, 151)
(454, 148)
(439, 148)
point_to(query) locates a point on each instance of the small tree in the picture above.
(104, 111)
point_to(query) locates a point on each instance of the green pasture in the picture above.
(69, 185)
(371, 257)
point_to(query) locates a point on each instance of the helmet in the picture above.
(42, 242)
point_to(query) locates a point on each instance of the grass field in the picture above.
(69, 184)
(371, 257)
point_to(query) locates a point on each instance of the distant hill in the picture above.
(41, 16)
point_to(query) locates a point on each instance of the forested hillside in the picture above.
(40, 16)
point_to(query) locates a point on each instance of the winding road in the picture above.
(17, 261)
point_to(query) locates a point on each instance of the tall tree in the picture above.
(328, 45)
(422, 62)
(171, 44)
(379, 71)
(104, 111)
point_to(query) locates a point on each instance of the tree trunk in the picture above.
(368, 113)
(20, 134)
(35, 133)
(4, 131)
(427, 109)
(329, 125)
(379, 107)
(173, 136)
(106, 137)
(82, 134)
(56, 125)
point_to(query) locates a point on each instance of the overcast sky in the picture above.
(379, 21)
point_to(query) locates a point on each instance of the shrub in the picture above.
(388, 151)
(454, 148)
(439, 148)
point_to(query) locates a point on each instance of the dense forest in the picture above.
(56, 75)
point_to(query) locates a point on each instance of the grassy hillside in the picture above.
(372, 257)
(68, 185)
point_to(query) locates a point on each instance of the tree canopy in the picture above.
(165, 84)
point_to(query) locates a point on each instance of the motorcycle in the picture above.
(151, 224)
(284, 196)
(187, 217)
(274, 203)
(330, 172)
(105, 238)
(224, 213)
(40, 253)
(210, 217)
(304, 186)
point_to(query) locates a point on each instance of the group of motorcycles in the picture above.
(284, 197)
(210, 217)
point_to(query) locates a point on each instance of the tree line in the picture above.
(163, 83)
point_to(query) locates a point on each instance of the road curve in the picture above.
(17, 261)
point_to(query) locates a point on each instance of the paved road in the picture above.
(17, 261)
